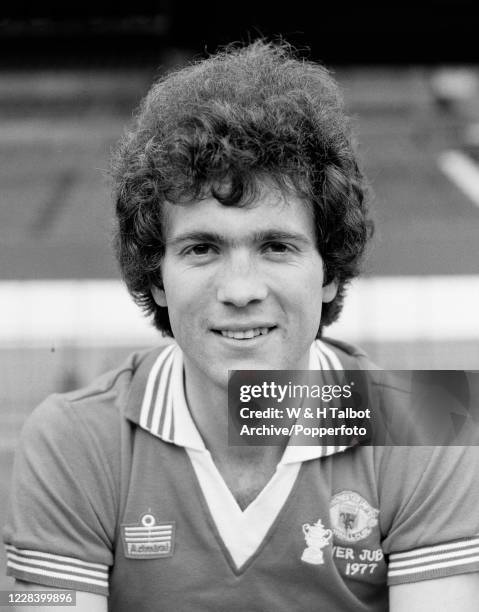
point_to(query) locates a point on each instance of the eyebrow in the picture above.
(270, 235)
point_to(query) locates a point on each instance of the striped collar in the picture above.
(164, 411)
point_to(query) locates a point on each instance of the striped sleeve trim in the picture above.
(434, 561)
(57, 570)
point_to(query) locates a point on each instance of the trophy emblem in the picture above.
(317, 537)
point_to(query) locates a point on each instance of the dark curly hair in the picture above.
(218, 128)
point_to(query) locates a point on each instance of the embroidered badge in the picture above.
(148, 539)
(317, 537)
(352, 517)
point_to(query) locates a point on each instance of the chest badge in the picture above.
(317, 537)
(148, 539)
(352, 517)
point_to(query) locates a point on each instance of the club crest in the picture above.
(148, 539)
(352, 517)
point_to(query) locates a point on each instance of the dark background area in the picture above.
(104, 33)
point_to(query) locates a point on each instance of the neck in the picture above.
(208, 405)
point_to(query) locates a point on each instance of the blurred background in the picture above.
(71, 75)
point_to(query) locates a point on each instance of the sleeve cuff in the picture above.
(441, 560)
(57, 571)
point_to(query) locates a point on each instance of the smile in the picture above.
(244, 334)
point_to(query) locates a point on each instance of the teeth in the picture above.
(244, 334)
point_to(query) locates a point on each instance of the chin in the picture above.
(257, 364)
(220, 376)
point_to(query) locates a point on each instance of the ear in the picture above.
(159, 296)
(329, 291)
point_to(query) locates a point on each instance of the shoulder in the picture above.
(351, 357)
(91, 415)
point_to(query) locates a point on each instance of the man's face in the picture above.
(243, 286)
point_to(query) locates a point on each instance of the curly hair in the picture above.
(218, 128)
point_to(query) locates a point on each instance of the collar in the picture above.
(321, 357)
(157, 402)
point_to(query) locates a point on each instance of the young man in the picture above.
(241, 219)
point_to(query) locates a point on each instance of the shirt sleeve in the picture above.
(430, 501)
(63, 503)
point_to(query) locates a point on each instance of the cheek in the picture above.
(186, 300)
(315, 284)
(302, 310)
(307, 289)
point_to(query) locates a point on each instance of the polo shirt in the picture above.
(114, 492)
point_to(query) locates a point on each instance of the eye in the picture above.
(278, 248)
(200, 250)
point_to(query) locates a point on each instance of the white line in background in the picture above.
(462, 171)
(101, 313)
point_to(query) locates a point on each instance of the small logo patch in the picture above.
(148, 539)
(352, 517)
(317, 537)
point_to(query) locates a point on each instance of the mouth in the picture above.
(244, 334)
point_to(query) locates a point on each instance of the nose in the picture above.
(240, 282)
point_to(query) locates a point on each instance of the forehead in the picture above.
(272, 210)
